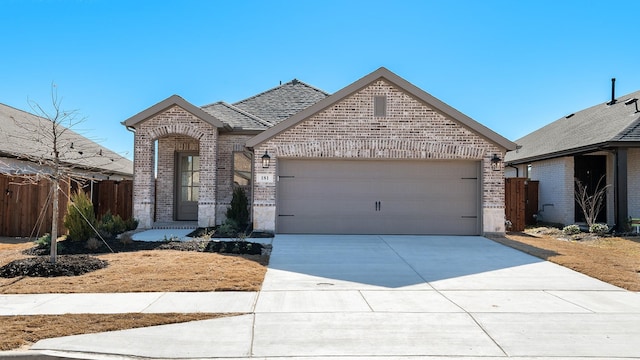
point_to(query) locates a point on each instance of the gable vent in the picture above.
(380, 106)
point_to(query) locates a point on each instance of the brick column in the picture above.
(143, 180)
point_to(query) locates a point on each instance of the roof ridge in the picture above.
(294, 81)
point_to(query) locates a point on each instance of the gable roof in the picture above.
(600, 126)
(22, 137)
(383, 73)
(279, 103)
(168, 103)
(234, 117)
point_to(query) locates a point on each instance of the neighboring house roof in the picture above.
(602, 126)
(383, 73)
(168, 103)
(279, 103)
(234, 117)
(28, 137)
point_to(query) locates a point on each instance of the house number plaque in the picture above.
(265, 178)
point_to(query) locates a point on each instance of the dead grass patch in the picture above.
(149, 271)
(21, 331)
(615, 260)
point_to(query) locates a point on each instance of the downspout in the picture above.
(515, 167)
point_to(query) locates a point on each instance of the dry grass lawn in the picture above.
(145, 271)
(21, 331)
(142, 271)
(614, 260)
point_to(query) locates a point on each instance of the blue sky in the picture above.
(514, 66)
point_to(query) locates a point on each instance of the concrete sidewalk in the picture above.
(375, 296)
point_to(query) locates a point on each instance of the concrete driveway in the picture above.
(395, 296)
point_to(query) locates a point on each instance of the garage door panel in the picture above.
(384, 197)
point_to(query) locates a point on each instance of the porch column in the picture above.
(143, 180)
(620, 190)
(208, 168)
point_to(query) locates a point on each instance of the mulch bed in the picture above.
(41, 266)
(74, 257)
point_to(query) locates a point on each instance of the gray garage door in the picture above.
(378, 197)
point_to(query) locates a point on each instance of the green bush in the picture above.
(239, 209)
(229, 228)
(43, 241)
(130, 224)
(80, 217)
(111, 225)
(571, 229)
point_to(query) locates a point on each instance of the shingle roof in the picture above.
(234, 117)
(281, 102)
(24, 135)
(582, 131)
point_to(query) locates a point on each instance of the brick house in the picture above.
(378, 156)
(600, 142)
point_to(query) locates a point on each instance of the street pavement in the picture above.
(367, 296)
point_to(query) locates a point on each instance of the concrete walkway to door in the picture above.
(398, 296)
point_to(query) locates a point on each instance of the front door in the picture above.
(188, 186)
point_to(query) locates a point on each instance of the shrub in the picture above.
(599, 229)
(92, 244)
(239, 209)
(43, 241)
(126, 239)
(228, 229)
(111, 225)
(571, 229)
(80, 218)
(130, 224)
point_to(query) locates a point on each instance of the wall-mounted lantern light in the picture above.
(266, 160)
(495, 162)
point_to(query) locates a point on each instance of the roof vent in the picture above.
(633, 101)
(613, 92)
(294, 82)
(569, 116)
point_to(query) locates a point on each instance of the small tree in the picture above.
(239, 209)
(590, 204)
(50, 150)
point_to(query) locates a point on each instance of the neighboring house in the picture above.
(26, 154)
(378, 156)
(26, 147)
(601, 142)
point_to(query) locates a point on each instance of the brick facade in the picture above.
(176, 130)
(349, 129)
(555, 192)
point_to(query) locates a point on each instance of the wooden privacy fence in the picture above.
(22, 205)
(115, 196)
(521, 202)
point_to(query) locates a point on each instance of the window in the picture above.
(242, 168)
(380, 106)
(190, 178)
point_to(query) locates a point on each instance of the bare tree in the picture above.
(591, 204)
(50, 150)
